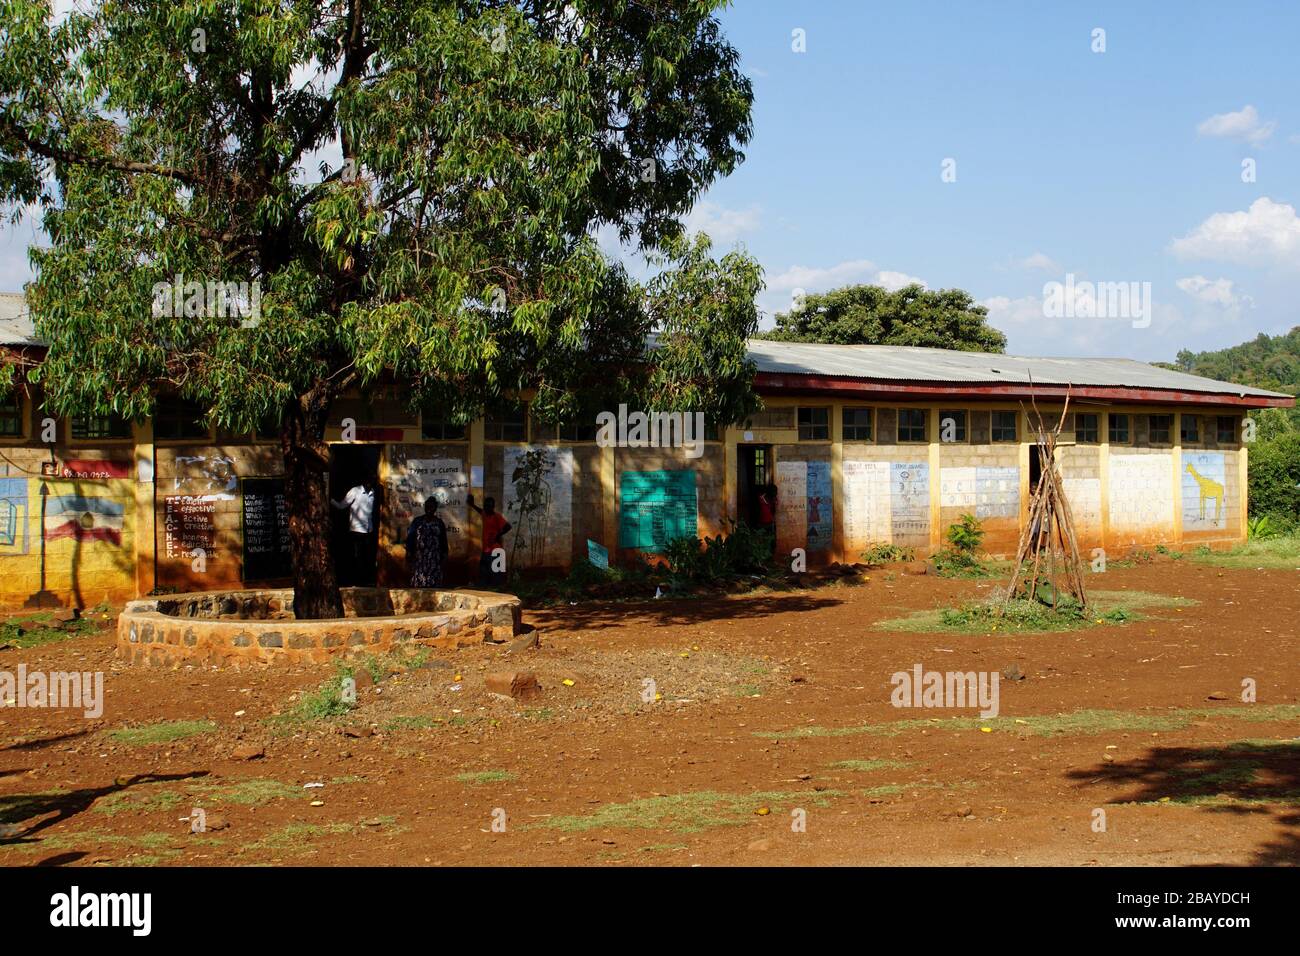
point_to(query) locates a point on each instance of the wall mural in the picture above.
(15, 536)
(656, 507)
(543, 538)
(1141, 492)
(866, 504)
(1204, 487)
(441, 478)
(984, 491)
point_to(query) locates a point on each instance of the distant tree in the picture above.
(872, 315)
(481, 144)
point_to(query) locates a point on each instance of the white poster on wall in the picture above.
(441, 478)
(791, 505)
(1141, 491)
(866, 504)
(541, 515)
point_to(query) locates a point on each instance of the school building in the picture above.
(865, 444)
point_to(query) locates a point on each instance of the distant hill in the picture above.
(1267, 361)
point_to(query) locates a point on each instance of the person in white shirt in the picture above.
(359, 503)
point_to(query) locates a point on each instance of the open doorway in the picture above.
(755, 501)
(355, 546)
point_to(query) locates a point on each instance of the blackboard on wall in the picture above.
(266, 530)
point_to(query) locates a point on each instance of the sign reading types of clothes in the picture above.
(655, 508)
(804, 513)
(1205, 505)
(423, 478)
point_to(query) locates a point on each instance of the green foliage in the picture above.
(483, 147)
(743, 550)
(886, 553)
(1260, 528)
(959, 559)
(871, 315)
(1026, 615)
(1274, 465)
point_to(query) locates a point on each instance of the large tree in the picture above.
(872, 315)
(477, 147)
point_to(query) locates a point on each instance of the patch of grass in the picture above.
(409, 722)
(321, 704)
(485, 776)
(1047, 725)
(151, 797)
(34, 630)
(1024, 616)
(1279, 552)
(689, 812)
(748, 690)
(162, 732)
(296, 836)
(867, 766)
(537, 713)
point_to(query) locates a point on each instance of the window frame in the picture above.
(1219, 429)
(994, 427)
(195, 438)
(846, 427)
(813, 426)
(523, 423)
(20, 423)
(963, 427)
(1183, 437)
(1111, 419)
(1167, 429)
(899, 426)
(1095, 429)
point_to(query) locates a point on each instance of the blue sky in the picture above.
(1119, 166)
(1105, 165)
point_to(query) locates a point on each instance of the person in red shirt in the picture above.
(494, 528)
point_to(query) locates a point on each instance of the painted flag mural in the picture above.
(84, 518)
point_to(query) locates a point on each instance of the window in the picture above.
(814, 424)
(584, 430)
(952, 425)
(11, 417)
(505, 423)
(1086, 429)
(1162, 429)
(178, 418)
(1226, 432)
(1118, 432)
(911, 424)
(1190, 429)
(857, 424)
(100, 426)
(432, 428)
(1004, 427)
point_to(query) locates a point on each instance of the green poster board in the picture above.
(655, 507)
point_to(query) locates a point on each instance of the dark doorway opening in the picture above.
(1035, 468)
(754, 476)
(355, 553)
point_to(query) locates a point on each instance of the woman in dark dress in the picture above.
(426, 547)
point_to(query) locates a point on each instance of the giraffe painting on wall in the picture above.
(1204, 492)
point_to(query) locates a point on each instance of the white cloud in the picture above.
(1218, 292)
(819, 279)
(1004, 311)
(724, 226)
(1244, 124)
(893, 281)
(1039, 260)
(1267, 232)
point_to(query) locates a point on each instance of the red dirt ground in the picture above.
(727, 670)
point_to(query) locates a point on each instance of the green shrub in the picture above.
(965, 536)
(743, 550)
(887, 554)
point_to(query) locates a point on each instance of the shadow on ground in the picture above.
(677, 611)
(1247, 777)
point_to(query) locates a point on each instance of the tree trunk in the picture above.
(306, 487)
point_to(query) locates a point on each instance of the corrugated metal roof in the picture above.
(899, 363)
(910, 364)
(15, 321)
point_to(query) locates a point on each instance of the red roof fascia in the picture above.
(796, 384)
